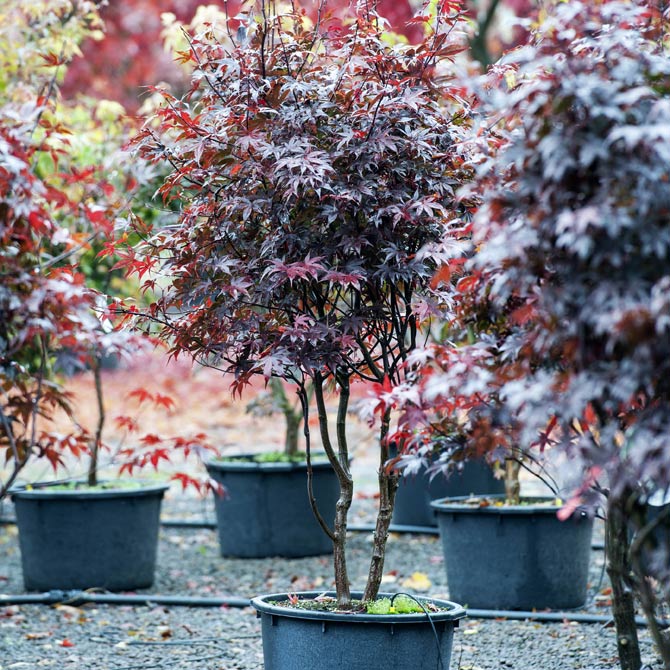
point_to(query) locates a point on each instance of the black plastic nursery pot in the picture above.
(81, 539)
(514, 557)
(415, 492)
(265, 510)
(296, 639)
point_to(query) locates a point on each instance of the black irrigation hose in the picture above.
(83, 597)
(354, 528)
(549, 617)
(440, 661)
(75, 598)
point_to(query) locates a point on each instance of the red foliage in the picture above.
(131, 56)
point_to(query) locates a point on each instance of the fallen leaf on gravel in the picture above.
(69, 612)
(37, 636)
(418, 581)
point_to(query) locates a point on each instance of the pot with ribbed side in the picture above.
(265, 509)
(416, 492)
(304, 639)
(74, 538)
(523, 557)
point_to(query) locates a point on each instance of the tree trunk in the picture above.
(641, 551)
(340, 463)
(623, 605)
(292, 432)
(92, 479)
(292, 414)
(388, 485)
(512, 485)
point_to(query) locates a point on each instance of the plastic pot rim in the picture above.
(455, 505)
(220, 466)
(47, 492)
(261, 604)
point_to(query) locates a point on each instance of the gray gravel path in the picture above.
(96, 637)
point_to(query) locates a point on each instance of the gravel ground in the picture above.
(97, 637)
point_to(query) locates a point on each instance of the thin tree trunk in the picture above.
(292, 432)
(340, 464)
(388, 485)
(97, 438)
(292, 414)
(512, 485)
(623, 605)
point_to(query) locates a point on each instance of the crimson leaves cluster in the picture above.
(318, 174)
(317, 168)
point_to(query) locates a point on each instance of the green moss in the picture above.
(401, 604)
(379, 606)
(102, 486)
(405, 605)
(274, 457)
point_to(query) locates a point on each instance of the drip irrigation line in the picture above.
(549, 617)
(354, 528)
(76, 598)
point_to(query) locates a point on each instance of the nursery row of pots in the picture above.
(496, 556)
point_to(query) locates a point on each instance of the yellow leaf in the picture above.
(418, 582)
(510, 79)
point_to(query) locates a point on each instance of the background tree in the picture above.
(50, 210)
(568, 292)
(124, 60)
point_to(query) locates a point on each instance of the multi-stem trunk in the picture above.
(617, 546)
(388, 486)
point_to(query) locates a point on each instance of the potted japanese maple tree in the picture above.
(317, 166)
(70, 536)
(572, 262)
(571, 268)
(468, 396)
(250, 523)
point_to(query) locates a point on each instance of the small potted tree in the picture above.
(542, 561)
(54, 205)
(317, 167)
(250, 523)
